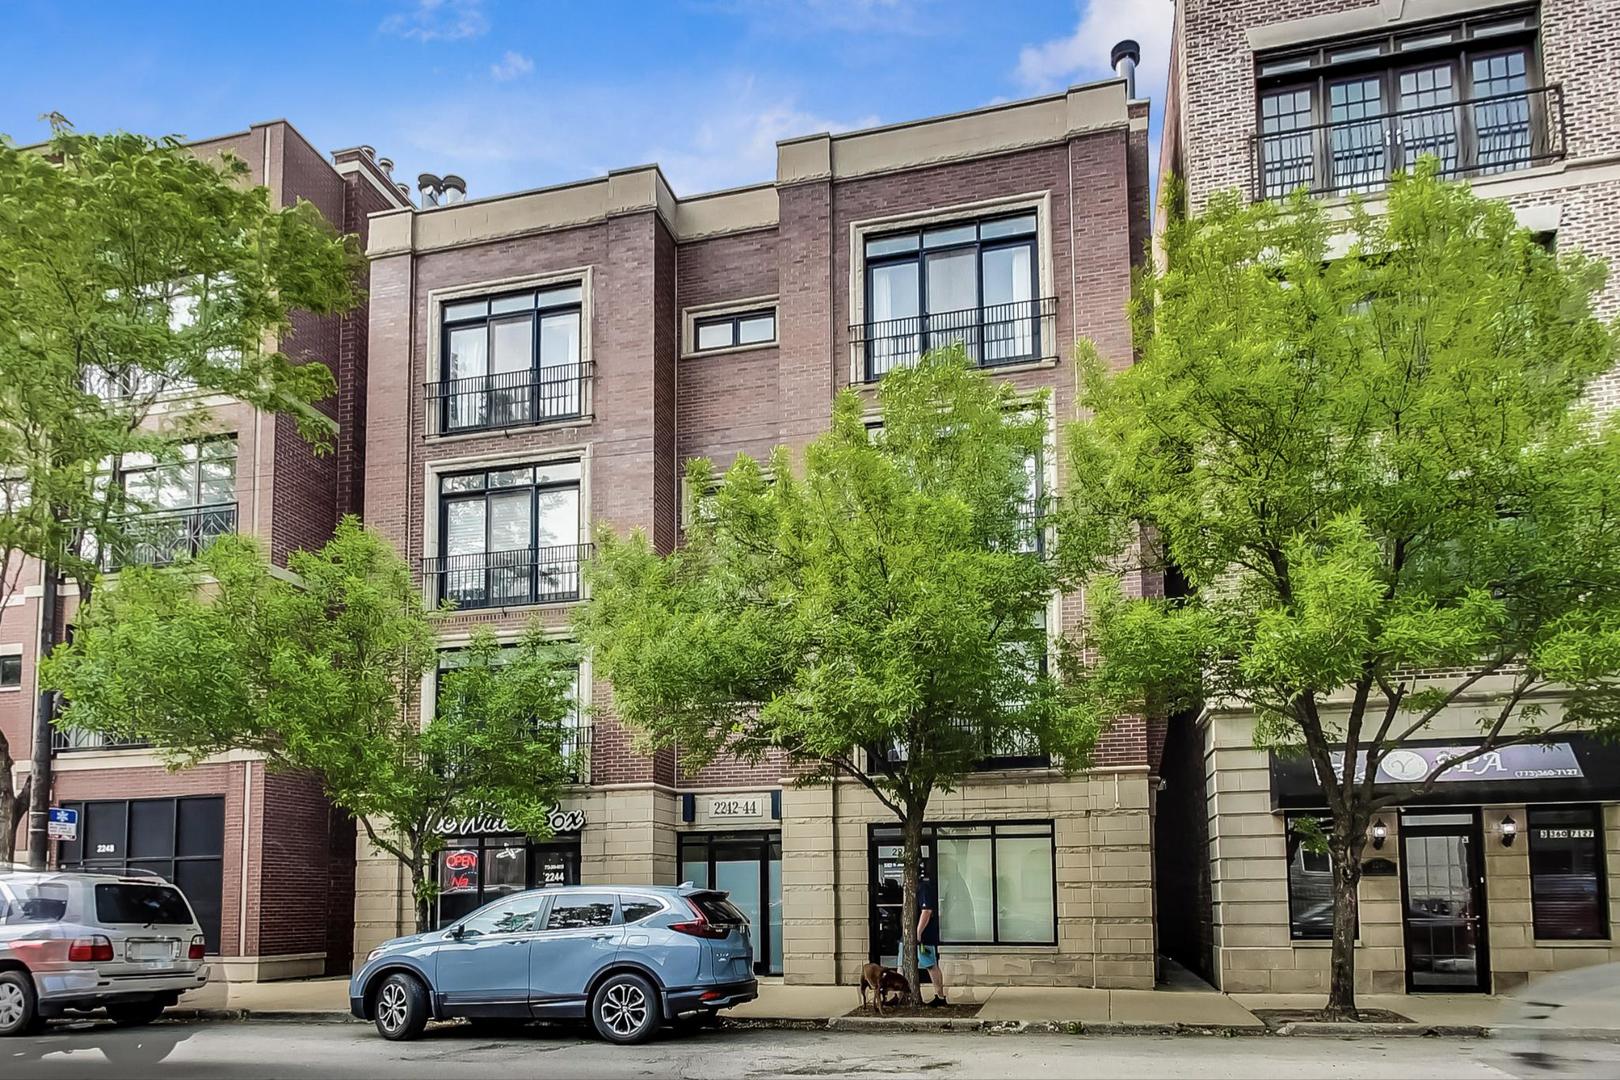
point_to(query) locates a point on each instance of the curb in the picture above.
(264, 1016)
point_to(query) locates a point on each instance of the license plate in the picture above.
(150, 950)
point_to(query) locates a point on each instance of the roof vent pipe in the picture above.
(431, 188)
(1123, 59)
(387, 166)
(455, 188)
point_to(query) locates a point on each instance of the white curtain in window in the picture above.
(966, 896)
(464, 528)
(1024, 901)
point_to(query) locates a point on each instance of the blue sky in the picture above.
(513, 94)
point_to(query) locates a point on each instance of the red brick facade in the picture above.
(291, 874)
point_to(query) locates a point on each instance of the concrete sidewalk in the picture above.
(1100, 1010)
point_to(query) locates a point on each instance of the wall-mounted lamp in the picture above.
(1507, 830)
(1379, 833)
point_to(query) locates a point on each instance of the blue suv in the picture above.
(628, 957)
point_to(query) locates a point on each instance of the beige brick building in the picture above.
(1514, 869)
(545, 363)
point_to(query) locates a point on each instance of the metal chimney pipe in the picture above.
(455, 188)
(1123, 59)
(387, 166)
(430, 187)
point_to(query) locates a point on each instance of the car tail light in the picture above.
(700, 926)
(198, 947)
(90, 950)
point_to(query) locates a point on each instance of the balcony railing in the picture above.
(508, 578)
(163, 536)
(90, 740)
(1479, 137)
(577, 745)
(992, 335)
(507, 399)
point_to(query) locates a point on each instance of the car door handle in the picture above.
(600, 937)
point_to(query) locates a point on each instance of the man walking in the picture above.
(928, 939)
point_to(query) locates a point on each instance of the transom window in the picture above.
(1343, 117)
(974, 283)
(509, 360)
(508, 536)
(731, 331)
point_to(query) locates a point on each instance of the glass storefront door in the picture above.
(1444, 885)
(749, 867)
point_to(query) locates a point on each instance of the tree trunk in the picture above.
(13, 803)
(39, 776)
(1345, 847)
(911, 861)
(418, 867)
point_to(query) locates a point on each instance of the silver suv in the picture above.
(74, 941)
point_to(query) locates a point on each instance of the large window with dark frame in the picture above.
(996, 882)
(509, 360)
(508, 536)
(1310, 882)
(179, 504)
(973, 282)
(576, 731)
(1342, 117)
(1568, 897)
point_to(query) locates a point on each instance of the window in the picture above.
(973, 283)
(517, 915)
(10, 672)
(475, 870)
(580, 911)
(1567, 895)
(576, 732)
(181, 840)
(636, 908)
(509, 360)
(40, 902)
(996, 882)
(747, 866)
(508, 536)
(1310, 885)
(756, 327)
(143, 905)
(1342, 118)
(183, 503)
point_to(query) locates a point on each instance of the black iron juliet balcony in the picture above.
(164, 536)
(993, 335)
(91, 740)
(547, 575)
(1478, 137)
(507, 399)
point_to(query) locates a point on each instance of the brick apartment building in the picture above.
(1523, 101)
(545, 363)
(267, 864)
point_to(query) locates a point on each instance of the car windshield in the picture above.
(144, 904)
(41, 902)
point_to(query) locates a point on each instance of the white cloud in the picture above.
(797, 17)
(1083, 55)
(512, 65)
(438, 20)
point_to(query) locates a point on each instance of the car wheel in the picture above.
(401, 1007)
(625, 1009)
(135, 1014)
(19, 1005)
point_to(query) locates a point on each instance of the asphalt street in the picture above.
(253, 1050)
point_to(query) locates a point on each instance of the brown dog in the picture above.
(883, 981)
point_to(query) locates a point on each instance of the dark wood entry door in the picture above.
(1443, 895)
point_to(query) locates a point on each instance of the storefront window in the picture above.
(1310, 885)
(473, 870)
(996, 883)
(1567, 897)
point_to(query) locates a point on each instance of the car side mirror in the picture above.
(456, 932)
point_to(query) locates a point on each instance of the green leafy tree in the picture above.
(1367, 468)
(877, 616)
(322, 675)
(130, 269)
